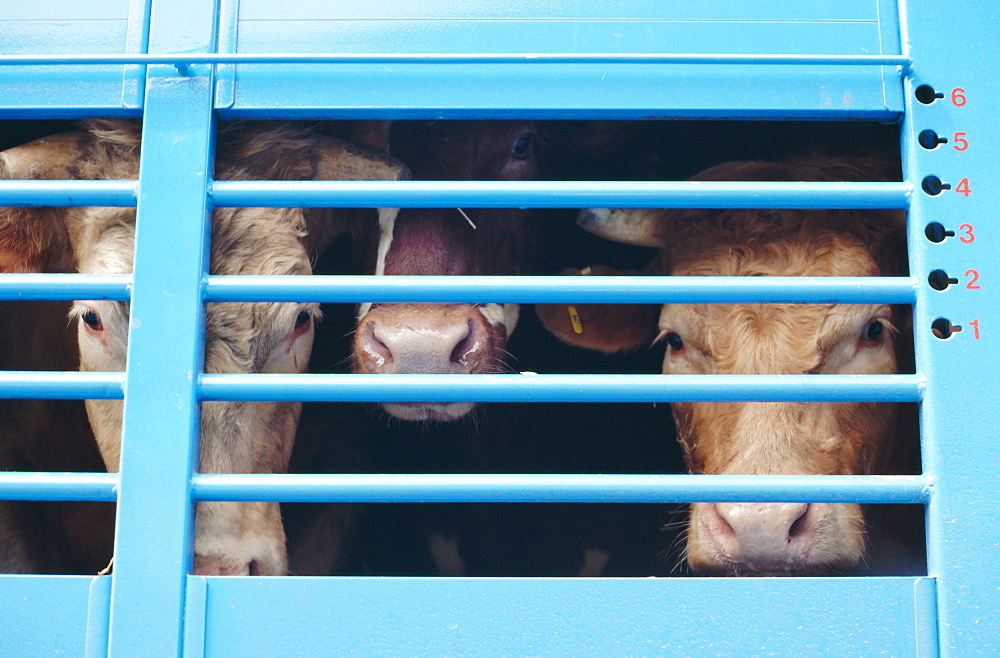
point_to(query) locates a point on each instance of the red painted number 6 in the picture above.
(958, 98)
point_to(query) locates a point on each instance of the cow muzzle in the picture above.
(427, 339)
(770, 538)
(239, 539)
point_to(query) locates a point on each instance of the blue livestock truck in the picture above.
(919, 67)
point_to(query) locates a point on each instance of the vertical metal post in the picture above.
(952, 92)
(161, 422)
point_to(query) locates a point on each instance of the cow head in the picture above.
(447, 338)
(766, 437)
(236, 437)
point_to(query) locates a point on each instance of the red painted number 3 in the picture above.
(969, 236)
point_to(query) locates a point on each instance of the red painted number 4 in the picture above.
(963, 187)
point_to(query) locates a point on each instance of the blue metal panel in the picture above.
(856, 28)
(542, 616)
(58, 26)
(959, 411)
(52, 615)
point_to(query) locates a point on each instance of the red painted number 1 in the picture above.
(975, 329)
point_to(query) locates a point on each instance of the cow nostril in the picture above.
(467, 346)
(373, 346)
(800, 527)
(254, 569)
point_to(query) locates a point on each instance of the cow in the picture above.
(766, 437)
(38, 435)
(247, 437)
(447, 338)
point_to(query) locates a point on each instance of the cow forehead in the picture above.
(766, 338)
(822, 254)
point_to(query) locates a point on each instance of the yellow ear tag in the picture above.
(575, 320)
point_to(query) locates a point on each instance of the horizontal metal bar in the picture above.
(482, 194)
(116, 287)
(21, 384)
(564, 388)
(559, 194)
(115, 193)
(58, 486)
(451, 488)
(549, 289)
(457, 58)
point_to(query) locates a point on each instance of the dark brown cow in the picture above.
(766, 438)
(247, 437)
(448, 338)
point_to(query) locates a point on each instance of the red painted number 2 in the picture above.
(973, 283)
(969, 236)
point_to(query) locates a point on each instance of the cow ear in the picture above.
(341, 160)
(601, 327)
(37, 239)
(638, 226)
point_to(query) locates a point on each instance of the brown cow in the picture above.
(758, 437)
(247, 437)
(447, 338)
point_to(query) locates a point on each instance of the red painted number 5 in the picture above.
(961, 143)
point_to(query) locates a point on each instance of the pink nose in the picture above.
(392, 342)
(764, 536)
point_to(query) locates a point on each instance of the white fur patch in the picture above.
(594, 562)
(444, 552)
(387, 226)
(505, 314)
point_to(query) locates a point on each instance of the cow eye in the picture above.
(92, 320)
(302, 319)
(873, 331)
(674, 341)
(521, 148)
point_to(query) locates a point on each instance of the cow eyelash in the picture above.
(89, 317)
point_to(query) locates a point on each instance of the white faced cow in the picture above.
(236, 437)
(766, 437)
(447, 338)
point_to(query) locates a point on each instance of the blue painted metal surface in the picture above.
(150, 606)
